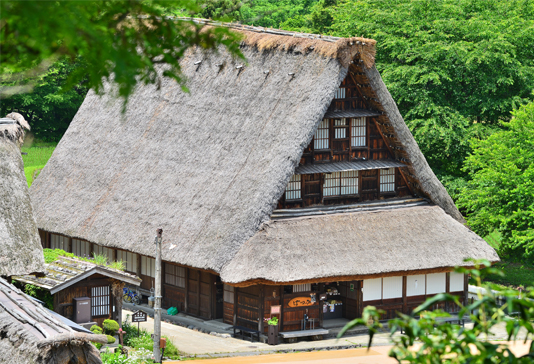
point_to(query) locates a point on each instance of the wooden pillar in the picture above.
(320, 288)
(261, 305)
(447, 289)
(404, 295)
(235, 305)
(186, 300)
(282, 308)
(111, 298)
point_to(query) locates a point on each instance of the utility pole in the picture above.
(157, 302)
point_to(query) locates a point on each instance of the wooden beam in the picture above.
(253, 282)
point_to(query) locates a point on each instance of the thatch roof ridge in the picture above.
(358, 244)
(20, 245)
(428, 183)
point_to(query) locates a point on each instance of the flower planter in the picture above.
(272, 338)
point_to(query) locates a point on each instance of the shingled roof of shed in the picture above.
(209, 166)
(20, 245)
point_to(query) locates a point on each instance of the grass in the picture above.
(51, 255)
(516, 274)
(37, 156)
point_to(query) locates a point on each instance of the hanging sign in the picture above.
(300, 302)
(139, 316)
(275, 310)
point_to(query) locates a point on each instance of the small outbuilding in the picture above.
(97, 289)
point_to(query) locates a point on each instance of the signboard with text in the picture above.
(139, 316)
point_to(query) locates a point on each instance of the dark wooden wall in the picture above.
(64, 300)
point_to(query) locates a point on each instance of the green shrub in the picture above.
(96, 329)
(110, 327)
(111, 339)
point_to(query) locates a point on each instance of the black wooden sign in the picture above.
(139, 316)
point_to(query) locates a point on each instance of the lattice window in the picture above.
(340, 130)
(387, 180)
(340, 183)
(293, 188)
(340, 93)
(321, 138)
(228, 295)
(349, 183)
(358, 132)
(175, 275)
(100, 301)
(306, 287)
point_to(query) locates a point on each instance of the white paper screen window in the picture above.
(416, 285)
(392, 287)
(228, 294)
(59, 242)
(358, 132)
(331, 184)
(340, 183)
(387, 180)
(99, 301)
(148, 266)
(340, 93)
(435, 283)
(129, 259)
(100, 250)
(81, 248)
(372, 289)
(456, 282)
(340, 133)
(320, 140)
(293, 188)
(301, 287)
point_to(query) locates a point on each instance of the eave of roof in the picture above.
(386, 240)
(347, 166)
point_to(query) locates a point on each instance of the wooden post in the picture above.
(404, 295)
(186, 298)
(157, 303)
(261, 305)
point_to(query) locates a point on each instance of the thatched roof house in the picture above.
(30, 334)
(20, 245)
(306, 126)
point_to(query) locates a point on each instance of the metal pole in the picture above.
(157, 301)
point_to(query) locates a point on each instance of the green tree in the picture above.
(443, 342)
(52, 105)
(456, 68)
(120, 41)
(500, 193)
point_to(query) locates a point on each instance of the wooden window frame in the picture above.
(294, 188)
(356, 129)
(321, 138)
(339, 177)
(387, 179)
(102, 309)
(175, 275)
(341, 128)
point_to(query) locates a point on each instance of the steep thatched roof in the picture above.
(30, 334)
(20, 246)
(64, 272)
(379, 240)
(207, 166)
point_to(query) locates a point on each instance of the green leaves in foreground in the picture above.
(120, 41)
(428, 338)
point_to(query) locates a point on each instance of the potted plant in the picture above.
(273, 331)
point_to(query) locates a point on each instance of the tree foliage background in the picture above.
(456, 68)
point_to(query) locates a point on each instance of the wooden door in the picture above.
(248, 306)
(369, 189)
(193, 292)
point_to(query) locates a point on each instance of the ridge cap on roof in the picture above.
(343, 49)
